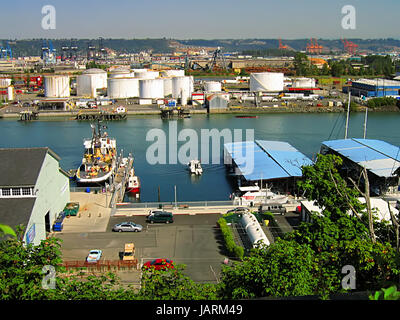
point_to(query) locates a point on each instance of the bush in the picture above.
(230, 244)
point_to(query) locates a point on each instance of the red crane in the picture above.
(318, 47)
(310, 46)
(350, 47)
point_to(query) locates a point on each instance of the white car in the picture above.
(94, 255)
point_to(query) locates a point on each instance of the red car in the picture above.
(159, 264)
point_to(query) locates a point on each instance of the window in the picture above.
(6, 192)
(16, 191)
(26, 191)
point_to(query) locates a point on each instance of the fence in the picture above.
(172, 204)
(101, 265)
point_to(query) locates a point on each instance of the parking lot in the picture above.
(192, 240)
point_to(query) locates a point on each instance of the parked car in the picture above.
(239, 210)
(159, 264)
(160, 216)
(94, 255)
(127, 227)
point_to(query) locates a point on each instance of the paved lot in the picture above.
(192, 240)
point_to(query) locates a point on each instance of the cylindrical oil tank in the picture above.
(120, 88)
(212, 86)
(56, 86)
(182, 87)
(10, 93)
(253, 229)
(5, 82)
(266, 82)
(303, 83)
(173, 73)
(120, 74)
(89, 81)
(148, 74)
(167, 86)
(151, 88)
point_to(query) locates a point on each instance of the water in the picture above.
(304, 131)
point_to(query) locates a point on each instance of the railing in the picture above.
(84, 189)
(172, 204)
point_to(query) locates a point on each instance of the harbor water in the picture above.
(303, 131)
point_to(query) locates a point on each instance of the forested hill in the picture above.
(33, 46)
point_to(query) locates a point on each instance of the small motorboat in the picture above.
(246, 116)
(133, 183)
(195, 167)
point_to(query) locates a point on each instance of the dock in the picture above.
(168, 113)
(120, 177)
(28, 115)
(100, 115)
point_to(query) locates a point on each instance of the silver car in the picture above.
(127, 227)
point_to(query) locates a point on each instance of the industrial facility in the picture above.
(374, 88)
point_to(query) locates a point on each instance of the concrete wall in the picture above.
(52, 195)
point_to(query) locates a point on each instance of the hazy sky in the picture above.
(207, 19)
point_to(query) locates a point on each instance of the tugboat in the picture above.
(99, 158)
(195, 167)
(133, 184)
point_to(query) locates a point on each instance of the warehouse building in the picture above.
(381, 159)
(33, 190)
(374, 88)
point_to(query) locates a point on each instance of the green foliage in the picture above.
(283, 269)
(6, 230)
(380, 102)
(390, 293)
(172, 284)
(230, 244)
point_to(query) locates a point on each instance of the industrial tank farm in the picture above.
(89, 81)
(121, 88)
(151, 88)
(266, 82)
(56, 86)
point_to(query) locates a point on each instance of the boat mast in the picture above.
(365, 123)
(347, 118)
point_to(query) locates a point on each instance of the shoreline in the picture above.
(242, 111)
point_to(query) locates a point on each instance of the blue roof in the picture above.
(286, 156)
(377, 156)
(271, 159)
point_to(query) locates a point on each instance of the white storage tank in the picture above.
(5, 82)
(167, 86)
(120, 73)
(148, 74)
(303, 83)
(151, 88)
(10, 93)
(56, 86)
(89, 81)
(182, 87)
(212, 86)
(121, 88)
(266, 82)
(253, 229)
(173, 73)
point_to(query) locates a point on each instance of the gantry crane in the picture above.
(281, 46)
(350, 47)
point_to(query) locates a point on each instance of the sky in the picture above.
(200, 19)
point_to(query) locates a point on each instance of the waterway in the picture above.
(304, 131)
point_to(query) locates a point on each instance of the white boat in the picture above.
(256, 196)
(133, 184)
(195, 167)
(99, 158)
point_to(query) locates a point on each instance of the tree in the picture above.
(285, 268)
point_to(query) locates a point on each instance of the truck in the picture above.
(129, 252)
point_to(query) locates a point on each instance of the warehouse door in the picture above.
(47, 221)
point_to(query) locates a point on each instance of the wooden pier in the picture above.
(100, 115)
(120, 178)
(170, 113)
(28, 115)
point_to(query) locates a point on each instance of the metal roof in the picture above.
(266, 160)
(379, 157)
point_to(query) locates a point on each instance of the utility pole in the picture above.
(365, 123)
